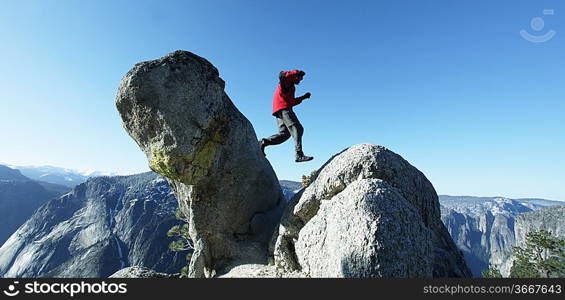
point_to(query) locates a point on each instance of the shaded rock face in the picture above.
(176, 109)
(101, 226)
(386, 202)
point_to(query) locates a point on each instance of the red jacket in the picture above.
(284, 94)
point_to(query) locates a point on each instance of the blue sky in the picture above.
(449, 85)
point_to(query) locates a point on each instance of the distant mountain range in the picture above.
(98, 228)
(107, 223)
(484, 227)
(20, 196)
(56, 175)
(290, 188)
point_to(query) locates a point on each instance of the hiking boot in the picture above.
(300, 157)
(262, 145)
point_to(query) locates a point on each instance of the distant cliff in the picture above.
(20, 197)
(551, 219)
(484, 227)
(101, 226)
(290, 188)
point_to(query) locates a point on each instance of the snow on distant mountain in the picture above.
(63, 176)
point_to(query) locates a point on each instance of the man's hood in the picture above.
(293, 76)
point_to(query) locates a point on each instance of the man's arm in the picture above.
(305, 96)
(282, 81)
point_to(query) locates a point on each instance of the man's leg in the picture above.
(277, 138)
(296, 130)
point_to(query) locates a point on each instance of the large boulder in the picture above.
(176, 109)
(368, 212)
(367, 230)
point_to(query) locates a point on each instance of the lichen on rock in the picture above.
(190, 168)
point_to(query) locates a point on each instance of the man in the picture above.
(287, 122)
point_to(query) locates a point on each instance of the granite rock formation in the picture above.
(176, 109)
(391, 200)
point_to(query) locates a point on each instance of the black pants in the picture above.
(288, 126)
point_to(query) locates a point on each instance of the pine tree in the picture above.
(491, 272)
(183, 242)
(542, 256)
(308, 179)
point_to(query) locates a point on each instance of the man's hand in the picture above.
(307, 95)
